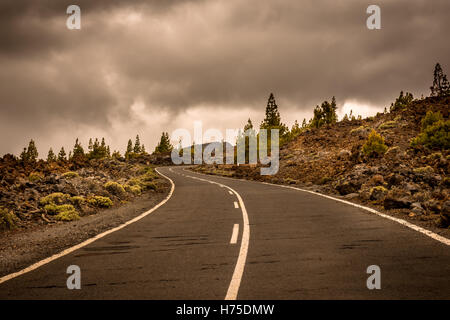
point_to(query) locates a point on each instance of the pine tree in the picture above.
(164, 144)
(91, 146)
(272, 118)
(249, 125)
(129, 151)
(78, 151)
(116, 155)
(440, 85)
(402, 102)
(244, 137)
(62, 155)
(32, 152)
(51, 157)
(295, 130)
(24, 155)
(143, 150)
(318, 120)
(304, 124)
(137, 145)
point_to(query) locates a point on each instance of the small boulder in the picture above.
(344, 154)
(396, 203)
(417, 209)
(346, 187)
(445, 214)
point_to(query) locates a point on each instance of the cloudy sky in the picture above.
(148, 66)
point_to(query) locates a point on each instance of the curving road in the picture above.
(218, 238)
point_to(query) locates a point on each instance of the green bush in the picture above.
(424, 170)
(54, 198)
(77, 200)
(8, 219)
(53, 209)
(70, 175)
(430, 118)
(100, 202)
(115, 188)
(388, 125)
(434, 136)
(374, 145)
(68, 214)
(35, 177)
(134, 189)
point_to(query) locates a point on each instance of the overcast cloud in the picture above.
(148, 66)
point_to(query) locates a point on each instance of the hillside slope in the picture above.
(412, 182)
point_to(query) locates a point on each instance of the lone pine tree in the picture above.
(441, 86)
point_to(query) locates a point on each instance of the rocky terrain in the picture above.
(405, 180)
(43, 193)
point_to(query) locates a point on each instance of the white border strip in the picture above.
(405, 223)
(89, 241)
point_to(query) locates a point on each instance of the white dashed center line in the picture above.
(235, 234)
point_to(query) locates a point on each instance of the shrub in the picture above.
(424, 170)
(8, 219)
(324, 180)
(53, 209)
(70, 175)
(100, 202)
(77, 200)
(374, 145)
(430, 118)
(388, 125)
(148, 185)
(115, 188)
(434, 136)
(134, 189)
(35, 176)
(378, 193)
(54, 198)
(290, 181)
(149, 176)
(67, 213)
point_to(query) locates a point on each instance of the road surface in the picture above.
(218, 238)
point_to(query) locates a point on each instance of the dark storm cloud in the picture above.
(176, 55)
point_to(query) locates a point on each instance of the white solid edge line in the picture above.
(235, 282)
(234, 235)
(405, 223)
(91, 240)
(236, 205)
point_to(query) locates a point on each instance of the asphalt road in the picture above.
(287, 244)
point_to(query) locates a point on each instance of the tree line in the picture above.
(97, 149)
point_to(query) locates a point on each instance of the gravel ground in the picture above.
(21, 248)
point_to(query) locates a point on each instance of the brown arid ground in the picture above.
(46, 208)
(407, 182)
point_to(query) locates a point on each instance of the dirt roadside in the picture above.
(21, 248)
